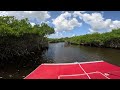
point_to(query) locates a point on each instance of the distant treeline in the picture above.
(108, 39)
(19, 37)
(53, 40)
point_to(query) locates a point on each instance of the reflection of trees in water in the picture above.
(49, 54)
(67, 44)
(71, 53)
(93, 53)
(107, 54)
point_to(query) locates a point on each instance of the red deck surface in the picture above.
(85, 70)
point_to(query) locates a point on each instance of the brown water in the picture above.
(61, 53)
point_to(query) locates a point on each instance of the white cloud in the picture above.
(102, 13)
(47, 22)
(32, 23)
(115, 24)
(78, 13)
(91, 30)
(68, 20)
(42, 15)
(56, 35)
(97, 21)
(64, 32)
(73, 35)
(3, 13)
(65, 22)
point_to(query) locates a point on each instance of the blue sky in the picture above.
(71, 23)
(84, 28)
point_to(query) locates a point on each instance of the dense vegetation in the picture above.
(108, 39)
(19, 37)
(53, 40)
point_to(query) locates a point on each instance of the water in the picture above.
(60, 53)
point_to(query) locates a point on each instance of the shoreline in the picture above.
(87, 45)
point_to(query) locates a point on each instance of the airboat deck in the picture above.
(82, 70)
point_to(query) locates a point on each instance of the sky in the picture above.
(71, 23)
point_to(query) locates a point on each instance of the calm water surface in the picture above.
(61, 53)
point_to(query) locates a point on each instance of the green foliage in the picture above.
(9, 25)
(19, 37)
(51, 40)
(108, 39)
(97, 39)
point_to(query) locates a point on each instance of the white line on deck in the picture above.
(70, 63)
(82, 74)
(84, 71)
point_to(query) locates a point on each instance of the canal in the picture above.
(61, 53)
